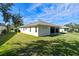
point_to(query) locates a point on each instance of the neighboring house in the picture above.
(76, 30)
(39, 28)
(2, 27)
(64, 29)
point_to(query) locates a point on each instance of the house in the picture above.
(2, 27)
(76, 30)
(39, 28)
(64, 29)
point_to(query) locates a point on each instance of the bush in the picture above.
(4, 31)
(17, 30)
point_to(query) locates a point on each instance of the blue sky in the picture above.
(55, 13)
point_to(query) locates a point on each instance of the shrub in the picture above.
(17, 30)
(4, 31)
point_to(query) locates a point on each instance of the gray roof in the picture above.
(36, 23)
(1, 24)
(64, 26)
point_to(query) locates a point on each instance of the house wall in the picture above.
(43, 30)
(62, 30)
(27, 31)
(2, 28)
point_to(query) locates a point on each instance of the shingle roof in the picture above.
(64, 26)
(39, 23)
(1, 24)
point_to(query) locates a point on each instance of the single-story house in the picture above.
(42, 28)
(64, 29)
(39, 28)
(2, 27)
(76, 30)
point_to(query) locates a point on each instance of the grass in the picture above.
(22, 44)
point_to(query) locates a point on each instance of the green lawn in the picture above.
(22, 44)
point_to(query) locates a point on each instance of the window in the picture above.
(30, 29)
(36, 29)
(65, 29)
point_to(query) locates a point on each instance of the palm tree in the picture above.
(17, 20)
(4, 9)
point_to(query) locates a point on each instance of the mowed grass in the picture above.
(14, 40)
(23, 44)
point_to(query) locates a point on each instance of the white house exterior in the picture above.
(43, 30)
(29, 30)
(64, 29)
(39, 28)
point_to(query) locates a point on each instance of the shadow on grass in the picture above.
(6, 37)
(53, 35)
(47, 48)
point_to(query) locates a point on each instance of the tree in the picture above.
(7, 16)
(4, 9)
(73, 27)
(17, 20)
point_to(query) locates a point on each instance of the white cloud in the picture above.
(62, 10)
(51, 14)
(33, 7)
(27, 20)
